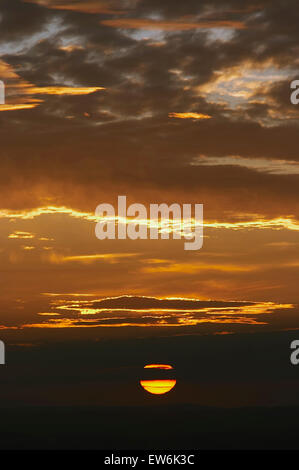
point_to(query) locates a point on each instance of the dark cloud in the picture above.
(195, 316)
(124, 132)
(20, 20)
(140, 303)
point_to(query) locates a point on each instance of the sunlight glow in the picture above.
(157, 387)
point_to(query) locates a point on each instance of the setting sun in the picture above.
(158, 387)
(157, 384)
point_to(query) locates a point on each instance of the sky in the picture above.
(164, 102)
(161, 102)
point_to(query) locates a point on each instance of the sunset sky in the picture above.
(162, 102)
(165, 102)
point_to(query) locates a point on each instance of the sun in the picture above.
(158, 386)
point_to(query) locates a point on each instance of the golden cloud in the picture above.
(189, 116)
(16, 107)
(22, 235)
(57, 90)
(179, 25)
(278, 223)
(83, 7)
(110, 257)
(20, 93)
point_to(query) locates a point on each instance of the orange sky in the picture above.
(162, 105)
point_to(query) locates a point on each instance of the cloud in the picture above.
(128, 311)
(17, 107)
(278, 167)
(20, 94)
(21, 235)
(189, 116)
(91, 7)
(243, 222)
(180, 25)
(196, 268)
(87, 259)
(61, 90)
